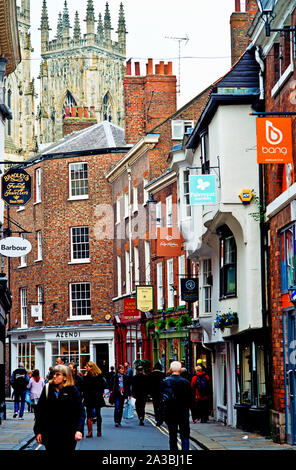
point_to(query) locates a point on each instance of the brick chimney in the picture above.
(240, 21)
(78, 118)
(149, 98)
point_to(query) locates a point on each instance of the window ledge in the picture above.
(80, 198)
(36, 202)
(22, 208)
(181, 306)
(79, 318)
(288, 72)
(22, 266)
(79, 262)
(38, 260)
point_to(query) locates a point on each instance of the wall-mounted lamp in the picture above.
(266, 8)
(151, 199)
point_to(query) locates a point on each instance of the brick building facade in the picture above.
(278, 54)
(62, 288)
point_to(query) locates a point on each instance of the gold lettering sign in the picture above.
(16, 187)
(144, 297)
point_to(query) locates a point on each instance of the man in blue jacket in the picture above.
(19, 381)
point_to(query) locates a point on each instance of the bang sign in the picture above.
(274, 140)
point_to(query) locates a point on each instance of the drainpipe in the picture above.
(129, 172)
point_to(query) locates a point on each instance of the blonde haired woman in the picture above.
(93, 391)
(60, 415)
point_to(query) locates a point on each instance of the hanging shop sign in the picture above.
(144, 298)
(274, 140)
(16, 187)
(189, 289)
(202, 190)
(169, 241)
(14, 247)
(130, 312)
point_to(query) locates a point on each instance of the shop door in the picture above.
(291, 375)
(102, 357)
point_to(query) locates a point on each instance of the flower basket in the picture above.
(226, 320)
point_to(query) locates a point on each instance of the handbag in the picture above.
(128, 411)
(111, 398)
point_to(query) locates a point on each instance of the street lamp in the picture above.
(266, 8)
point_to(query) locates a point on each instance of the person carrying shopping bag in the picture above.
(35, 388)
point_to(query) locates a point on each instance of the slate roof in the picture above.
(100, 137)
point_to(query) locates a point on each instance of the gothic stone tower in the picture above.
(19, 95)
(80, 72)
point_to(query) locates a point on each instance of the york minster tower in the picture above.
(81, 75)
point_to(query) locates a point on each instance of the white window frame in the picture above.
(126, 205)
(158, 214)
(145, 192)
(118, 200)
(178, 128)
(127, 273)
(287, 73)
(135, 198)
(207, 271)
(186, 195)
(79, 196)
(119, 281)
(182, 274)
(136, 265)
(147, 262)
(169, 211)
(39, 245)
(23, 259)
(24, 307)
(37, 185)
(78, 260)
(79, 317)
(170, 282)
(159, 281)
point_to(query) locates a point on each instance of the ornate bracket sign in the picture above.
(16, 187)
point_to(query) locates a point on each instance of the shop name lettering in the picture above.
(69, 334)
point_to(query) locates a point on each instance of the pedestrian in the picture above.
(140, 392)
(94, 385)
(35, 388)
(200, 385)
(128, 370)
(78, 379)
(49, 375)
(176, 396)
(121, 390)
(155, 379)
(60, 361)
(28, 395)
(19, 381)
(59, 414)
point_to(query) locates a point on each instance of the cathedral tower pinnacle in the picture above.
(107, 23)
(66, 21)
(77, 30)
(44, 27)
(121, 31)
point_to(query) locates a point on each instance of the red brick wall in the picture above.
(76, 124)
(240, 22)
(54, 216)
(283, 101)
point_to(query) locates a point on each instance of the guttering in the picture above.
(145, 143)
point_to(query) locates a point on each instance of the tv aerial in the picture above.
(180, 40)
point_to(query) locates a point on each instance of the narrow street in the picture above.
(129, 436)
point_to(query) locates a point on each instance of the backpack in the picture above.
(168, 397)
(19, 380)
(202, 385)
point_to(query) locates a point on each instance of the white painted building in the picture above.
(225, 239)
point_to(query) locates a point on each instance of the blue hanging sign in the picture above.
(202, 190)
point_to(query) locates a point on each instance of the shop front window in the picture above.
(246, 375)
(73, 351)
(261, 398)
(26, 354)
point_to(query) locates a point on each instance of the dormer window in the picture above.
(179, 128)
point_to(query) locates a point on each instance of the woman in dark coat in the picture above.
(59, 414)
(94, 385)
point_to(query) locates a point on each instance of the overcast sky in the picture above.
(204, 57)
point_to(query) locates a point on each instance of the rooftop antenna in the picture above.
(186, 39)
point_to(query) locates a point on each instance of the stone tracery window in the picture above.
(107, 108)
(69, 102)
